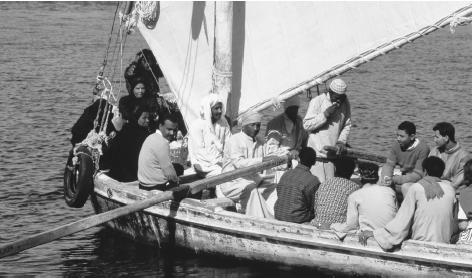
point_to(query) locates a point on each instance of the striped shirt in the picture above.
(295, 195)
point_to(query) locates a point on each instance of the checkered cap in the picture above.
(338, 86)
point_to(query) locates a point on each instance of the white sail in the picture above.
(281, 47)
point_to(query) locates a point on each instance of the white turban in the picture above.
(292, 101)
(251, 117)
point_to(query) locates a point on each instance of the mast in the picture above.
(222, 64)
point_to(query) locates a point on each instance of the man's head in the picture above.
(337, 91)
(291, 107)
(406, 134)
(368, 172)
(344, 167)
(433, 166)
(443, 133)
(307, 156)
(251, 123)
(168, 125)
(216, 112)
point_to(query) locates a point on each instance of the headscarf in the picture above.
(208, 102)
(134, 83)
(431, 186)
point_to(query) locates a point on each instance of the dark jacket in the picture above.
(124, 152)
(85, 123)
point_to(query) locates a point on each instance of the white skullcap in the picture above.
(338, 86)
(292, 101)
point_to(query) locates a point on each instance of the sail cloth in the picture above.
(277, 46)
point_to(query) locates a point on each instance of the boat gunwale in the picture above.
(212, 212)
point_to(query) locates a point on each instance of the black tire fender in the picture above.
(78, 178)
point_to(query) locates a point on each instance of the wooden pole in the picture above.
(223, 41)
(357, 154)
(92, 221)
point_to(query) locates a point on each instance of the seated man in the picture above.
(407, 153)
(296, 190)
(331, 198)
(464, 196)
(208, 136)
(285, 133)
(242, 150)
(427, 212)
(370, 207)
(155, 169)
(447, 149)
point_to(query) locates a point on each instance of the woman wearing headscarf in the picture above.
(208, 136)
(125, 147)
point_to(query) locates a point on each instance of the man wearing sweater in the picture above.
(407, 153)
(453, 155)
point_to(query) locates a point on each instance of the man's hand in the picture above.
(340, 148)
(331, 109)
(293, 154)
(269, 158)
(363, 237)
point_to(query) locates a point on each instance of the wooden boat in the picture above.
(231, 50)
(206, 226)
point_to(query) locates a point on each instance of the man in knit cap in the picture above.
(243, 149)
(328, 122)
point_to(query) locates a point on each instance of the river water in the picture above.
(51, 53)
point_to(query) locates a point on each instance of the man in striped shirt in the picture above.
(296, 190)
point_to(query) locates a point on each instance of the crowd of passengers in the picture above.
(419, 193)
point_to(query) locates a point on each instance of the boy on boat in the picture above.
(451, 152)
(155, 169)
(370, 207)
(296, 190)
(328, 122)
(464, 197)
(208, 136)
(242, 150)
(426, 214)
(407, 153)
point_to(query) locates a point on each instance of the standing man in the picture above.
(156, 171)
(447, 149)
(328, 122)
(408, 153)
(208, 136)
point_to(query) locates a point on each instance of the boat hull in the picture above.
(202, 227)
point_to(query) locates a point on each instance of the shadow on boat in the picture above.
(114, 255)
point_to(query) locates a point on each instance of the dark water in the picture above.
(50, 55)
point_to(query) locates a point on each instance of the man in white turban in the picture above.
(208, 137)
(243, 149)
(328, 122)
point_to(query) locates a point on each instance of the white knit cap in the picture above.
(292, 101)
(338, 86)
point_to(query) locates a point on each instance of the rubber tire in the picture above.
(79, 183)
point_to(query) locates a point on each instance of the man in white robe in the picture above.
(328, 122)
(242, 150)
(208, 136)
